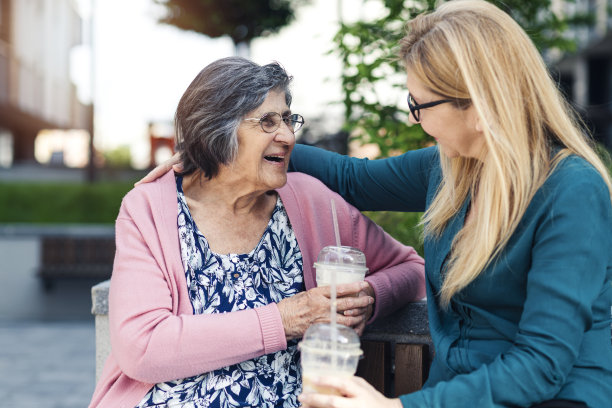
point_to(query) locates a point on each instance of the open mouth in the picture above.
(275, 159)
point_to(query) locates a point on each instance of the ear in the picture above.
(473, 120)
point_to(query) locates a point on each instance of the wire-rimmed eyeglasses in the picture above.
(415, 108)
(271, 121)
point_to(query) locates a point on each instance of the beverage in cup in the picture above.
(328, 349)
(349, 265)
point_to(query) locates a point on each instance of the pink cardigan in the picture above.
(155, 337)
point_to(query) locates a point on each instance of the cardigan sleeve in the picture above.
(567, 282)
(151, 341)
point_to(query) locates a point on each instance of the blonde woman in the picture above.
(518, 221)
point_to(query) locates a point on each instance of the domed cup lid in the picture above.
(341, 256)
(319, 336)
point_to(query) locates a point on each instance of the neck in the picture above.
(225, 194)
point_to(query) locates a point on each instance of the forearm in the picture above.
(392, 184)
(153, 349)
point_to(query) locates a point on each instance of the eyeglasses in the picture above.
(415, 108)
(271, 121)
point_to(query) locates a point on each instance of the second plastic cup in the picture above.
(320, 357)
(349, 265)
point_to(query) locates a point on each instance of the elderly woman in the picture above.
(213, 281)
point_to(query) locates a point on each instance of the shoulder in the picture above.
(574, 172)
(309, 195)
(296, 180)
(574, 188)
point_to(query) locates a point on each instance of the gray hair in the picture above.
(213, 106)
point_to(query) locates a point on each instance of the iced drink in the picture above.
(349, 265)
(320, 355)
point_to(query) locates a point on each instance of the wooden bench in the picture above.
(397, 351)
(66, 256)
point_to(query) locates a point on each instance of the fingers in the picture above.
(359, 311)
(323, 401)
(350, 289)
(342, 387)
(352, 302)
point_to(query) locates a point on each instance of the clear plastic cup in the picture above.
(320, 357)
(349, 265)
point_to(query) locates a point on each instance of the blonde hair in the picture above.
(469, 50)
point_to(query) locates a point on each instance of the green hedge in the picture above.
(45, 203)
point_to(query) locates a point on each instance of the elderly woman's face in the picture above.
(263, 157)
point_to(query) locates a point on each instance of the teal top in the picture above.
(535, 324)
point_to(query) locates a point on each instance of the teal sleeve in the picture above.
(567, 284)
(397, 183)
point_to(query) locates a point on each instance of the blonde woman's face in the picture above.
(457, 131)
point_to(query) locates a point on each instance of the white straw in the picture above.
(336, 229)
(334, 324)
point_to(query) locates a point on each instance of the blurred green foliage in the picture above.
(402, 226)
(44, 203)
(118, 158)
(373, 80)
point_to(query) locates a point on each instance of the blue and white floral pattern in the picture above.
(225, 283)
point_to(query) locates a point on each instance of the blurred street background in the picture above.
(88, 90)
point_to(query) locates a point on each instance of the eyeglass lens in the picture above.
(411, 104)
(271, 121)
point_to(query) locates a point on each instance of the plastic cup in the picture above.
(349, 265)
(320, 357)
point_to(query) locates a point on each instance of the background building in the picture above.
(587, 75)
(36, 92)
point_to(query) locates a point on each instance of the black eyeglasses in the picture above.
(271, 121)
(415, 108)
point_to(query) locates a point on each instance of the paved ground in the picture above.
(47, 364)
(47, 338)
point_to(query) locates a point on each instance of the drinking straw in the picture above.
(336, 229)
(334, 326)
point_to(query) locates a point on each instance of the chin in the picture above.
(276, 182)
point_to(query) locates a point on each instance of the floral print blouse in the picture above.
(220, 283)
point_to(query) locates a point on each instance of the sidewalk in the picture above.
(47, 339)
(47, 364)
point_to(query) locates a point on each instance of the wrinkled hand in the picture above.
(172, 163)
(354, 392)
(302, 310)
(365, 313)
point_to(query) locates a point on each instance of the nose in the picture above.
(284, 134)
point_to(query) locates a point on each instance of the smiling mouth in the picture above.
(275, 159)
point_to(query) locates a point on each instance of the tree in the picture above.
(373, 80)
(241, 20)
